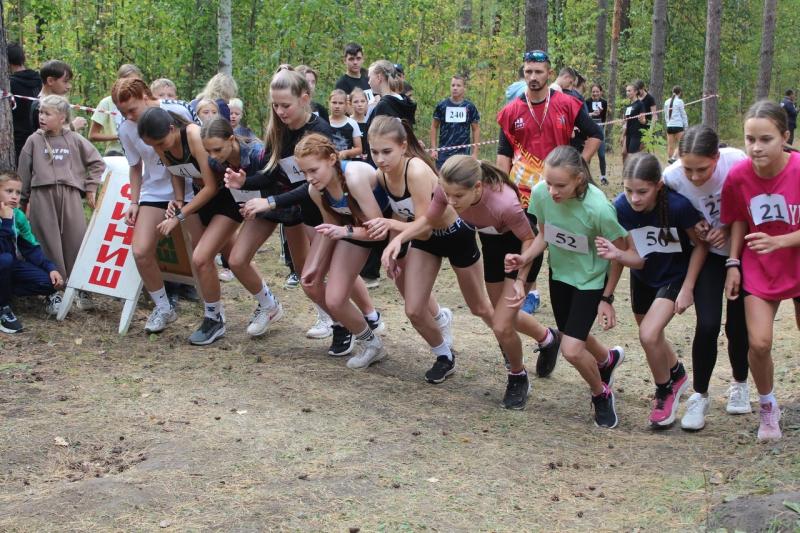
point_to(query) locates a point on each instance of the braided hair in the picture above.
(644, 166)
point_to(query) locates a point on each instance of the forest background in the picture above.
(433, 39)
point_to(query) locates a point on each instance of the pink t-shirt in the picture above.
(770, 206)
(497, 212)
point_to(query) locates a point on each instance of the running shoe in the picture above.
(372, 283)
(739, 399)
(694, 419)
(264, 318)
(665, 403)
(442, 367)
(369, 352)
(210, 330)
(9, 323)
(292, 281)
(617, 355)
(52, 303)
(377, 326)
(605, 409)
(548, 355)
(343, 341)
(531, 303)
(517, 390)
(322, 327)
(225, 274)
(769, 428)
(159, 319)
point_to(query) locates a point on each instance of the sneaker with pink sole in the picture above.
(769, 428)
(665, 405)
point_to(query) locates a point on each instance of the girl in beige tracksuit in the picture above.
(57, 165)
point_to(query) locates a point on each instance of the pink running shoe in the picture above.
(666, 407)
(769, 428)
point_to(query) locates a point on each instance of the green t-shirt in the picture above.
(23, 228)
(108, 122)
(570, 230)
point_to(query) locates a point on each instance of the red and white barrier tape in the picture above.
(622, 120)
(6, 94)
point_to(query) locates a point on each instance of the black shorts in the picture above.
(310, 214)
(378, 245)
(575, 310)
(221, 204)
(495, 248)
(288, 216)
(643, 295)
(633, 144)
(456, 243)
(674, 129)
(157, 205)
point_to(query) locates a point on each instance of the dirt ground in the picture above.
(138, 433)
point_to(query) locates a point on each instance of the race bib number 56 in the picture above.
(649, 240)
(566, 240)
(769, 208)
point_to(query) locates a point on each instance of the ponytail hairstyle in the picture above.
(60, 105)
(568, 157)
(319, 146)
(644, 166)
(400, 131)
(466, 171)
(221, 86)
(276, 130)
(155, 123)
(389, 72)
(699, 140)
(125, 89)
(219, 128)
(771, 111)
(676, 91)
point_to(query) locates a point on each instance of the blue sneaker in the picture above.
(532, 303)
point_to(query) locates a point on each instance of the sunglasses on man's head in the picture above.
(536, 56)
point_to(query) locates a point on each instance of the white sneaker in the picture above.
(369, 352)
(52, 303)
(696, 408)
(739, 399)
(322, 328)
(263, 318)
(84, 301)
(159, 319)
(218, 260)
(445, 323)
(372, 283)
(225, 274)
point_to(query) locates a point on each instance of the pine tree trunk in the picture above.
(535, 25)
(767, 49)
(657, 50)
(613, 66)
(225, 37)
(711, 71)
(600, 37)
(466, 16)
(7, 159)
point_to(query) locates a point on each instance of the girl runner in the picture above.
(664, 270)
(761, 202)
(676, 120)
(290, 120)
(485, 198)
(347, 134)
(151, 192)
(571, 212)
(699, 175)
(406, 172)
(597, 107)
(347, 194)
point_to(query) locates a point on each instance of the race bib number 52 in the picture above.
(769, 208)
(566, 240)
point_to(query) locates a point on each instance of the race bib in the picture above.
(293, 172)
(186, 170)
(628, 111)
(649, 240)
(566, 240)
(241, 197)
(710, 206)
(489, 230)
(370, 95)
(769, 208)
(455, 114)
(597, 106)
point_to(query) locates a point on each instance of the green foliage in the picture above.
(177, 39)
(653, 138)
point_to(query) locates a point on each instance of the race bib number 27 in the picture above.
(565, 240)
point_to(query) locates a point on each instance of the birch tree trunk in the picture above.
(225, 37)
(7, 156)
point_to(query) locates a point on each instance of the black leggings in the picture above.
(708, 296)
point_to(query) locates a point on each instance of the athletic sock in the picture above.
(372, 317)
(767, 398)
(677, 372)
(442, 350)
(213, 310)
(546, 340)
(265, 298)
(606, 362)
(438, 316)
(160, 299)
(664, 388)
(366, 335)
(523, 373)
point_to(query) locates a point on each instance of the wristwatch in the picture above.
(349, 229)
(607, 299)
(179, 215)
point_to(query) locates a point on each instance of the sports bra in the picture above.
(340, 204)
(185, 166)
(401, 205)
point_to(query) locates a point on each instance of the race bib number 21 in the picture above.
(769, 208)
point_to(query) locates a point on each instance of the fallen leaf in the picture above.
(433, 480)
(78, 341)
(60, 441)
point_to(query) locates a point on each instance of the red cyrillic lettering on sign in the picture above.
(125, 192)
(111, 232)
(106, 254)
(105, 277)
(119, 211)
